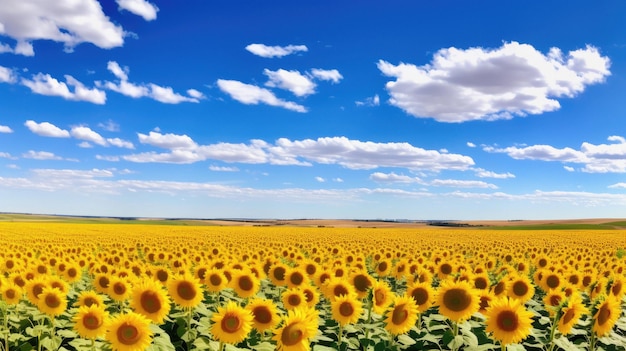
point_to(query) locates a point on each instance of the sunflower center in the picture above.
(380, 297)
(420, 295)
(279, 273)
(150, 301)
(399, 314)
(245, 283)
(616, 289)
(484, 302)
(119, 288)
(90, 301)
(10, 294)
(507, 321)
(308, 295)
(499, 288)
(292, 334)
(72, 272)
(446, 268)
(215, 280)
(186, 290)
(555, 300)
(340, 290)
(297, 278)
(52, 301)
(457, 299)
(346, 309)
(520, 288)
(262, 315)
(37, 289)
(92, 322)
(231, 323)
(311, 269)
(568, 316)
(361, 283)
(552, 281)
(382, 266)
(128, 334)
(604, 314)
(480, 283)
(162, 276)
(104, 282)
(294, 300)
(586, 281)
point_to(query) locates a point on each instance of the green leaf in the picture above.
(264, 346)
(406, 340)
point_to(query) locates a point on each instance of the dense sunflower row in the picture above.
(138, 287)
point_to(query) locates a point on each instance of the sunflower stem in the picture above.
(370, 296)
(455, 332)
(6, 327)
(339, 335)
(503, 347)
(553, 330)
(188, 341)
(93, 344)
(221, 346)
(592, 341)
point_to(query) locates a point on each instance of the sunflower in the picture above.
(11, 293)
(185, 290)
(457, 300)
(520, 287)
(423, 294)
(402, 316)
(150, 300)
(89, 298)
(278, 274)
(383, 268)
(101, 282)
(52, 302)
(298, 326)
(444, 269)
(552, 280)
(73, 273)
(553, 300)
(129, 332)
(607, 311)
(500, 288)
(296, 277)
(245, 283)
(34, 288)
(231, 324)
(486, 297)
(618, 287)
(161, 274)
(119, 289)
(311, 294)
(362, 282)
(293, 298)
(265, 314)
(90, 321)
(508, 320)
(56, 282)
(571, 313)
(336, 287)
(346, 309)
(215, 280)
(481, 281)
(382, 296)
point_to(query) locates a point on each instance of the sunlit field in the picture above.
(133, 287)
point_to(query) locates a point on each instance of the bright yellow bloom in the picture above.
(508, 321)
(402, 316)
(457, 300)
(298, 327)
(231, 324)
(90, 321)
(150, 300)
(129, 332)
(265, 314)
(346, 309)
(607, 312)
(52, 302)
(571, 313)
(185, 290)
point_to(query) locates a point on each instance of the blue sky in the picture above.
(313, 109)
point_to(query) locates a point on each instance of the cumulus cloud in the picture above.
(352, 154)
(253, 95)
(621, 185)
(142, 8)
(138, 90)
(393, 178)
(600, 158)
(481, 173)
(46, 129)
(44, 84)
(41, 155)
(86, 134)
(332, 75)
(5, 129)
(275, 51)
(7, 75)
(294, 81)
(223, 169)
(488, 84)
(65, 21)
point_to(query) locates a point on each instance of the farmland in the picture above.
(92, 284)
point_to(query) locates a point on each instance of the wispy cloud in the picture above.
(294, 81)
(44, 84)
(275, 51)
(46, 129)
(142, 8)
(253, 95)
(461, 85)
(5, 129)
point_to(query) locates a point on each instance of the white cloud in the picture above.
(5, 155)
(393, 178)
(455, 183)
(44, 84)
(107, 158)
(223, 169)
(109, 126)
(5, 129)
(481, 173)
(320, 179)
(41, 155)
(156, 92)
(167, 141)
(85, 133)
(621, 185)
(67, 21)
(85, 145)
(73, 173)
(275, 51)
(370, 101)
(332, 75)
(470, 144)
(142, 8)
(7, 75)
(601, 158)
(338, 180)
(120, 143)
(294, 81)
(569, 169)
(488, 84)
(46, 129)
(252, 95)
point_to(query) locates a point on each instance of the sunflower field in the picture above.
(133, 287)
